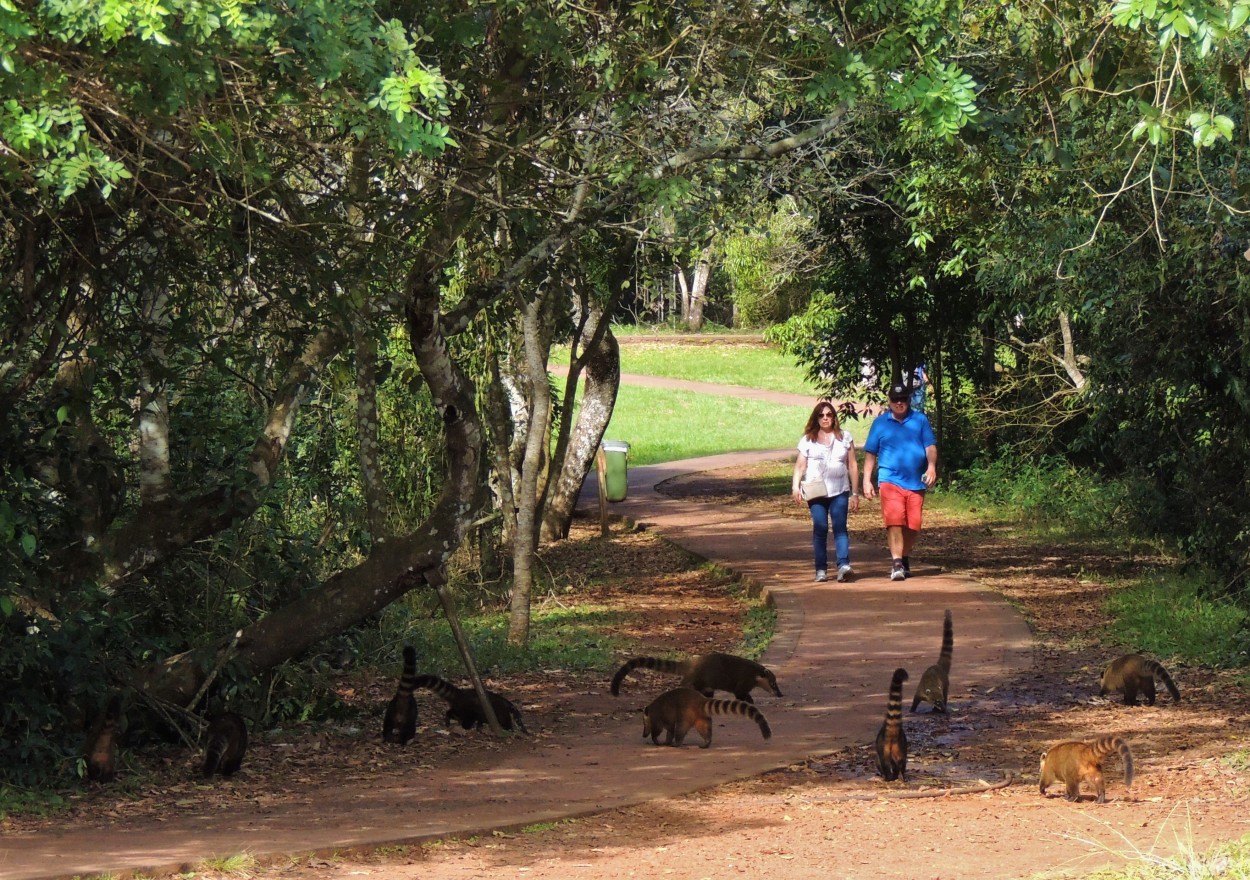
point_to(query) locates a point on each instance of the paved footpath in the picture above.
(835, 648)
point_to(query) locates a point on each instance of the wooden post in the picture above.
(449, 609)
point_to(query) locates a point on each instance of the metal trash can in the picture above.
(616, 476)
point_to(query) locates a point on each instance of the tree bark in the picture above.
(154, 467)
(698, 290)
(536, 346)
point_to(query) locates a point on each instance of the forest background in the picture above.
(282, 283)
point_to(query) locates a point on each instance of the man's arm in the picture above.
(870, 463)
(930, 475)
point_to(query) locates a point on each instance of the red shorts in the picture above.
(901, 507)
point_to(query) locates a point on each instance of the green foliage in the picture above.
(1174, 616)
(1224, 861)
(767, 261)
(575, 638)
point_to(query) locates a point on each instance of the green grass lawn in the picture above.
(665, 425)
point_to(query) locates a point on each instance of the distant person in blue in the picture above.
(919, 381)
(901, 443)
(827, 452)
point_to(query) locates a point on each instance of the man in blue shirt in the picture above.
(901, 444)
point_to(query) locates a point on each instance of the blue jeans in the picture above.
(823, 511)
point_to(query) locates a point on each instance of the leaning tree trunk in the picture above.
(603, 380)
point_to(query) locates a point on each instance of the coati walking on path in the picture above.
(1133, 673)
(225, 742)
(707, 674)
(463, 704)
(891, 740)
(101, 750)
(935, 684)
(675, 712)
(1073, 762)
(400, 723)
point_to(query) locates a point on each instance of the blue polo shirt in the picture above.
(900, 448)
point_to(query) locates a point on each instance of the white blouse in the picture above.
(828, 462)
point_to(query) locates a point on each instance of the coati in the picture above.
(935, 684)
(1073, 762)
(463, 704)
(1132, 673)
(400, 723)
(675, 712)
(224, 744)
(707, 674)
(101, 750)
(891, 740)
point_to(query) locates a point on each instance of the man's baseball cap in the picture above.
(900, 392)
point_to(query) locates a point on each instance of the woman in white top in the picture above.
(827, 452)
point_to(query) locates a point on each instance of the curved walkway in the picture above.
(835, 649)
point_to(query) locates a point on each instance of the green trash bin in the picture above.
(616, 469)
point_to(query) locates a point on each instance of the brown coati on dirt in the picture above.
(891, 740)
(225, 743)
(101, 749)
(1074, 762)
(675, 712)
(1133, 673)
(464, 707)
(707, 674)
(935, 684)
(400, 723)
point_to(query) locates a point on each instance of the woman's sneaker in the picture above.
(844, 572)
(821, 577)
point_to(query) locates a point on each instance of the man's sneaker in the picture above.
(897, 573)
(821, 577)
(906, 567)
(844, 572)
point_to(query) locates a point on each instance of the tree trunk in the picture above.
(154, 469)
(603, 380)
(377, 498)
(698, 291)
(525, 542)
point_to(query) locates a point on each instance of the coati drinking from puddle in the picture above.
(707, 674)
(675, 712)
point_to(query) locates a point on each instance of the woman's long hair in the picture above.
(813, 421)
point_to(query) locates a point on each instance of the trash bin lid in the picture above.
(615, 446)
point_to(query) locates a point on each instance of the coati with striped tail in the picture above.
(1133, 673)
(935, 684)
(891, 740)
(463, 704)
(707, 674)
(400, 723)
(224, 745)
(101, 750)
(1073, 762)
(675, 712)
